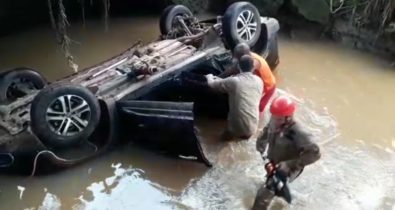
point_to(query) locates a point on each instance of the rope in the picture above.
(82, 2)
(38, 155)
(55, 156)
(52, 17)
(106, 4)
(93, 145)
(60, 28)
(65, 41)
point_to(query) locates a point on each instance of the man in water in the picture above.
(261, 69)
(244, 91)
(289, 149)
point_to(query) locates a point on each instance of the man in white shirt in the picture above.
(244, 91)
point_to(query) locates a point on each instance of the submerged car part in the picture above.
(19, 82)
(164, 126)
(241, 23)
(6, 160)
(126, 84)
(178, 21)
(63, 115)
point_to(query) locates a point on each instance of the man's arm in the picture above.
(219, 84)
(232, 70)
(309, 152)
(262, 141)
(196, 82)
(194, 79)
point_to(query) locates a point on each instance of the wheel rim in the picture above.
(68, 115)
(176, 27)
(246, 25)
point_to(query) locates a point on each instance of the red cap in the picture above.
(282, 106)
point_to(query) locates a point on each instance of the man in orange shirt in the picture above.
(262, 70)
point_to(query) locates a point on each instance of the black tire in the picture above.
(168, 15)
(71, 94)
(9, 92)
(273, 56)
(230, 24)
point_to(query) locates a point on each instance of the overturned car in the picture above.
(138, 95)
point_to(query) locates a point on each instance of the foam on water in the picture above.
(344, 178)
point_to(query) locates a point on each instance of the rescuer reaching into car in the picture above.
(261, 69)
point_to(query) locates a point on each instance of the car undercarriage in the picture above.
(139, 94)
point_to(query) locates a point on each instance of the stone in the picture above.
(313, 10)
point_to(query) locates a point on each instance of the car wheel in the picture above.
(241, 23)
(18, 83)
(168, 18)
(64, 115)
(273, 56)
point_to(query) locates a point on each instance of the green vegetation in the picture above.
(377, 15)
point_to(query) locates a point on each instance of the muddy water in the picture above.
(345, 100)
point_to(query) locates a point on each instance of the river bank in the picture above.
(351, 22)
(367, 26)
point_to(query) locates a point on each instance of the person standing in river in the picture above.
(261, 69)
(289, 150)
(244, 91)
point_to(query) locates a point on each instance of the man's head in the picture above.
(246, 63)
(240, 50)
(282, 109)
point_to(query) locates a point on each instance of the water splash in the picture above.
(50, 202)
(345, 178)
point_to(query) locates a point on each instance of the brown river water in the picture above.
(346, 99)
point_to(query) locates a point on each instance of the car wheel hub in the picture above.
(68, 115)
(246, 25)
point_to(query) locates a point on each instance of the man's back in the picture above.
(244, 97)
(264, 72)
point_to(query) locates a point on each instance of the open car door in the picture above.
(164, 126)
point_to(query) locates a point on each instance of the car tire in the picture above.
(168, 15)
(10, 84)
(64, 115)
(241, 23)
(273, 56)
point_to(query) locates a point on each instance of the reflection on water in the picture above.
(92, 44)
(127, 177)
(355, 87)
(115, 192)
(345, 100)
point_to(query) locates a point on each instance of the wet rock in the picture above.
(314, 10)
(268, 7)
(308, 33)
(364, 39)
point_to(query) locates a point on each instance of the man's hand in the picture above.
(209, 77)
(232, 70)
(269, 168)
